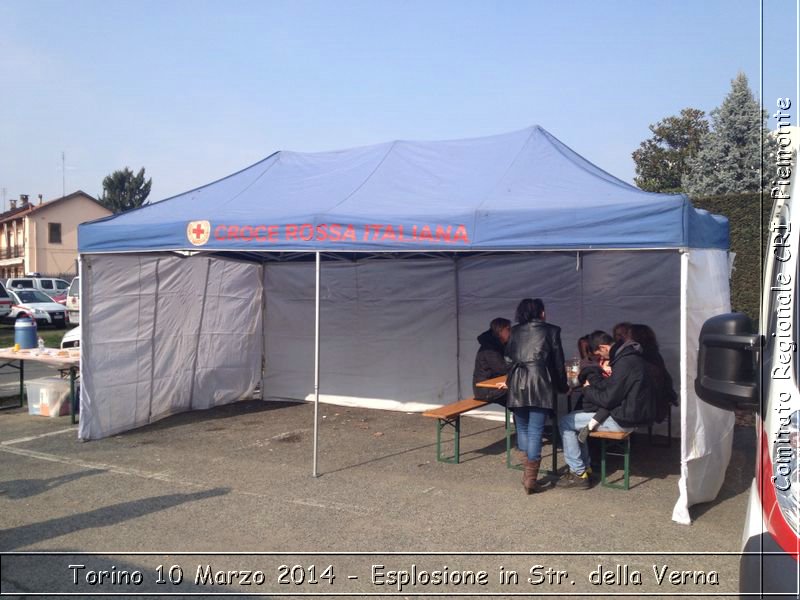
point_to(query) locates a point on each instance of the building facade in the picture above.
(43, 237)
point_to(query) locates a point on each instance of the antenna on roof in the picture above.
(64, 168)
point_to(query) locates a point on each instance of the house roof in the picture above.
(15, 213)
(22, 211)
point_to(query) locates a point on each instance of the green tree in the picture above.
(122, 190)
(661, 161)
(730, 155)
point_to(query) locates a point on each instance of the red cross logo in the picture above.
(198, 232)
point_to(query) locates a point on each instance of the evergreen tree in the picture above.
(729, 159)
(122, 190)
(661, 161)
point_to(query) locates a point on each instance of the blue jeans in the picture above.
(576, 454)
(529, 422)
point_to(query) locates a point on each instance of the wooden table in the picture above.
(48, 356)
(493, 383)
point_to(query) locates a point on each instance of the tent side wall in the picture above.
(388, 332)
(707, 431)
(389, 326)
(164, 334)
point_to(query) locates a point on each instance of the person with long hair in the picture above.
(536, 376)
(584, 349)
(663, 387)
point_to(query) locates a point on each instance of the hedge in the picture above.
(748, 218)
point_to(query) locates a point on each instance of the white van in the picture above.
(739, 368)
(74, 302)
(49, 285)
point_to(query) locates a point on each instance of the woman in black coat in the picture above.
(536, 377)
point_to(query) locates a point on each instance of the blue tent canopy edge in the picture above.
(523, 190)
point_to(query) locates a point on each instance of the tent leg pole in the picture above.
(458, 329)
(682, 507)
(315, 472)
(684, 331)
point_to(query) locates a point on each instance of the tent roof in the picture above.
(523, 190)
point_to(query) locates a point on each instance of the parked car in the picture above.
(49, 285)
(71, 339)
(739, 368)
(40, 306)
(5, 302)
(74, 301)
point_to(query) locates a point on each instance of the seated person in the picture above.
(590, 362)
(662, 384)
(625, 396)
(490, 362)
(621, 334)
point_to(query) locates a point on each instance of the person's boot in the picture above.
(529, 476)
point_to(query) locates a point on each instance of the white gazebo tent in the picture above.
(377, 267)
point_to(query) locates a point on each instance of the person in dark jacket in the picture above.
(590, 363)
(626, 396)
(536, 376)
(490, 361)
(662, 385)
(595, 366)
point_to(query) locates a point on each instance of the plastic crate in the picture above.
(48, 396)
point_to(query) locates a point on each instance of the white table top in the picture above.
(48, 356)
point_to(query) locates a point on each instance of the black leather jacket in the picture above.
(537, 371)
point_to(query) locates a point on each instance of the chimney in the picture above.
(40, 199)
(23, 199)
(12, 204)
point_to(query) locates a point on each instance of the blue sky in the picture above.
(195, 90)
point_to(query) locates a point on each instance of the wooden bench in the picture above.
(619, 444)
(450, 414)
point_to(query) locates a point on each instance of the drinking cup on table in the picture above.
(573, 370)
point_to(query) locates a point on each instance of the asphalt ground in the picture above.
(238, 479)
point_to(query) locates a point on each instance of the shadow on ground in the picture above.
(25, 488)
(226, 411)
(27, 535)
